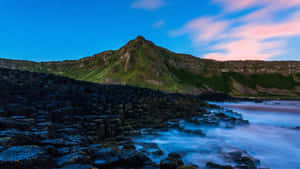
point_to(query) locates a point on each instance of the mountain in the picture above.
(141, 63)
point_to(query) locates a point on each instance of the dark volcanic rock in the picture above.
(211, 165)
(51, 120)
(212, 96)
(171, 162)
(109, 157)
(242, 159)
(78, 166)
(221, 97)
(187, 167)
(73, 158)
(21, 157)
(133, 158)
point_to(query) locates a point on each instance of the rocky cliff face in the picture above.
(141, 63)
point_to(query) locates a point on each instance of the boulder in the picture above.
(242, 159)
(133, 158)
(171, 162)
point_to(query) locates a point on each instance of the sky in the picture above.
(50, 30)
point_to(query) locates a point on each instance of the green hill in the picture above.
(142, 63)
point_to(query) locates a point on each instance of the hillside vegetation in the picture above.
(142, 63)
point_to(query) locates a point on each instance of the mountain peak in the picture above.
(140, 38)
(135, 43)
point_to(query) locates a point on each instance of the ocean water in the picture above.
(271, 137)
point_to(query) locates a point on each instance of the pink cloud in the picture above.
(287, 28)
(202, 29)
(235, 5)
(246, 37)
(251, 44)
(148, 4)
(246, 50)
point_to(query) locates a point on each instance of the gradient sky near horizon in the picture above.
(45, 30)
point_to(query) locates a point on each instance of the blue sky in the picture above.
(217, 29)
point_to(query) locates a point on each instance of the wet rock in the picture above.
(24, 140)
(75, 122)
(212, 96)
(187, 167)
(158, 153)
(133, 158)
(106, 162)
(101, 132)
(73, 140)
(94, 147)
(73, 158)
(58, 142)
(171, 162)
(52, 133)
(151, 148)
(11, 123)
(78, 166)
(52, 150)
(211, 165)
(195, 132)
(105, 157)
(128, 146)
(104, 152)
(242, 159)
(20, 157)
(149, 167)
(149, 145)
(64, 150)
(129, 158)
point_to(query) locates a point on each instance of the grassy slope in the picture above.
(223, 82)
(157, 68)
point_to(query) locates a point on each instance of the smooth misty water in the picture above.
(270, 137)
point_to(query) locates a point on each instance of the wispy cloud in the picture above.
(159, 24)
(249, 37)
(202, 29)
(246, 50)
(233, 5)
(287, 28)
(148, 4)
(236, 5)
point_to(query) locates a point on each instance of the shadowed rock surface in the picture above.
(55, 122)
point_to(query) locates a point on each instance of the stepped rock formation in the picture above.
(52, 122)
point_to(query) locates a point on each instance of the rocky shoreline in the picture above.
(49, 121)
